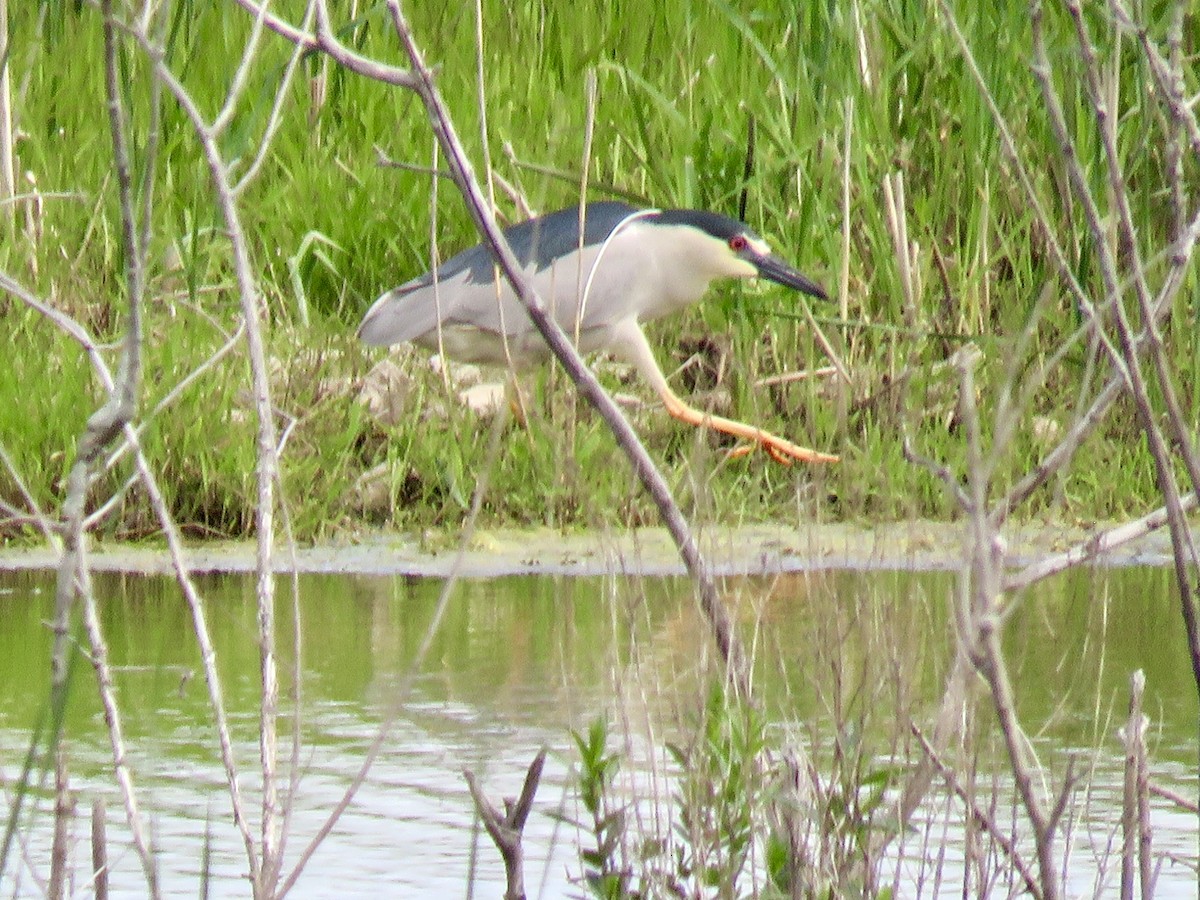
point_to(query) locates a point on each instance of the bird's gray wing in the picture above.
(465, 290)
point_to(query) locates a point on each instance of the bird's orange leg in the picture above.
(631, 344)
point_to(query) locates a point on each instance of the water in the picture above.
(517, 663)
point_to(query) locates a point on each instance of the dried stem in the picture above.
(981, 816)
(1135, 818)
(99, 851)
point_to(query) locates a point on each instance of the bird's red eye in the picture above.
(738, 243)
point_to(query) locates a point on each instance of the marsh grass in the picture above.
(676, 87)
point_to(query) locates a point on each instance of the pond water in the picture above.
(519, 662)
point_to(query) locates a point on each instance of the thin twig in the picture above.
(241, 75)
(382, 159)
(275, 119)
(1186, 804)
(324, 40)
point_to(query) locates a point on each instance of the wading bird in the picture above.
(601, 282)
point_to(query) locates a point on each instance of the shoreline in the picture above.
(731, 551)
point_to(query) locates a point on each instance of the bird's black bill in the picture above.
(775, 269)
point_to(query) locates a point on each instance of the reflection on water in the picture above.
(516, 664)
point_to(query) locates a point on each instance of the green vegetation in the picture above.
(875, 89)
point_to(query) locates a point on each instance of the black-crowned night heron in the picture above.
(625, 268)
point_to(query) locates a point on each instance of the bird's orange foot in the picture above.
(783, 452)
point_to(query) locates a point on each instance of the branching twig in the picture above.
(175, 550)
(103, 426)
(506, 830)
(1186, 558)
(265, 868)
(324, 40)
(282, 92)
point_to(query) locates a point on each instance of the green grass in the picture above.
(677, 84)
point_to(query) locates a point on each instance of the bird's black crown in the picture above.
(721, 227)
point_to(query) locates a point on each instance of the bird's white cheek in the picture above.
(740, 268)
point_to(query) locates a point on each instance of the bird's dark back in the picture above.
(543, 239)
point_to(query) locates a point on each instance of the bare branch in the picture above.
(37, 513)
(1008, 144)
(585, 381)
(1134, 812)
(991, 666)
(103, 426)
(1095, 547)
(223, 118)
(1132, 257)
(275, 118)
(175, 548)
(941, 472)
(1186, 558)
(1184, 803)
(64, 812)
(112, 718)
(1054, 461)
(99, 877)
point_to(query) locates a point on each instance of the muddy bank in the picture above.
(759, 549)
